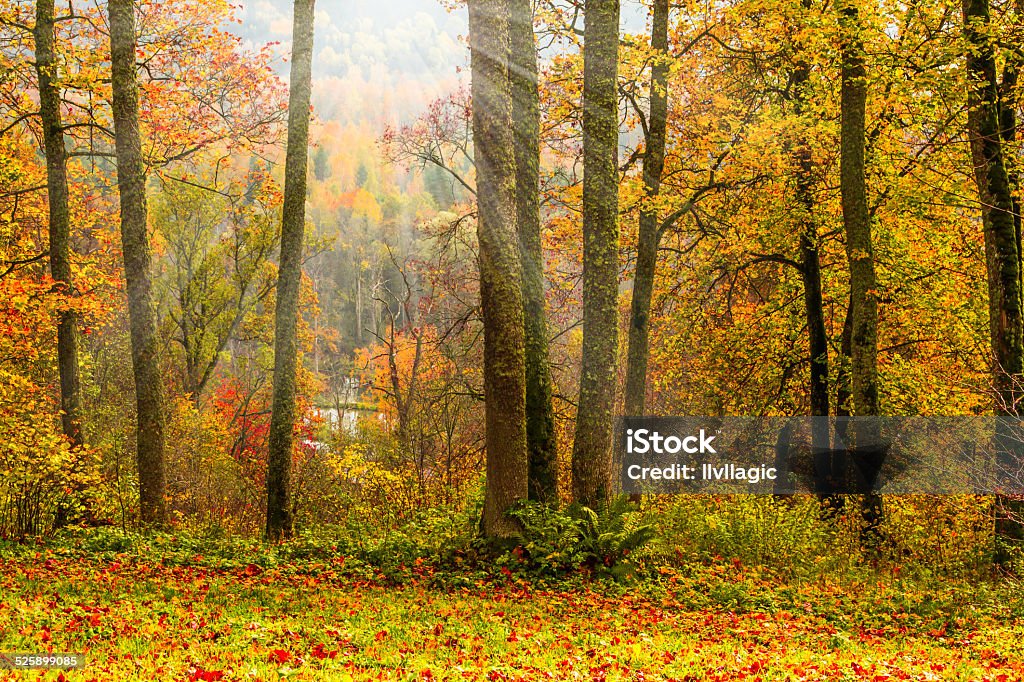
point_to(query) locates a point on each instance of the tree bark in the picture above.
(591, 465)
(540, 421)
(649, 235)
(844, 397)
(867, 454)
(857, 219)
(992, 129)
(289, 278)
(501, 292)
(60, 222)
(131, 181)
(810, 272)
(997, 201)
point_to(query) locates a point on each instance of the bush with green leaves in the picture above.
(789, 534)
(556, 541)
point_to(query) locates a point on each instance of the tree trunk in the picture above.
(591, 465)
(867, 453)
(289, 278)
(540, 421)
(501, 293)
(131, 181)
(995, 190)
(810, 272)
(1010, 101)
(648, 237)
(359, 307)
(991, 125)
(857, 219)
(844, 391)
(60, 226)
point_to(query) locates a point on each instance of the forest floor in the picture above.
(140, 618)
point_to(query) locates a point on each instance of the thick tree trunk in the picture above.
(289, 278)
(648, 237)
(857, 219)
(867, 453)
(991, 125)
(131, 182)
(501, 293)
(540, 421)
(60, 226)
(591, 465)
(995, 190)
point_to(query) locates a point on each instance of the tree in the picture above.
(867, 454)
(825, 465)
(321, 164)
(591, 462)
(131, 182)
(59, 221)
(501, 293)
(649, 232)
(1002, 241)
(289, 280)
(217, 268)
(856, 217)
(991, 126)
(540, 426)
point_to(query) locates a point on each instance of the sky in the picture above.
(379, 60)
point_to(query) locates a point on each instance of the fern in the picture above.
(554, 541)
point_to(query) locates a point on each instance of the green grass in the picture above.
(181, 618)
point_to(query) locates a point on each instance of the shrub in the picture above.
(555, 541)
(41, 478)
(787, 534)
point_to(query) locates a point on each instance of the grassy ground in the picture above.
(142, 619)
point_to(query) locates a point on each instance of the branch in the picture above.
(13, 265)
(18, 192)
(774, 258)
(18, 120)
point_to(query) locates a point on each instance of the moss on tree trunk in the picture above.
(131, 182)
(501, 292)
(591, 465)
(540, 422)
(289, 278)
(647, 240)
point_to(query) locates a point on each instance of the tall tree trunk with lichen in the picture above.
(540, 421)
(992, 124)
(647, 240)
(867, 454)
(289, 278)
(131, 182)
(591, 463)
(997, 201)
(501, 286)
(59, 232)
(59, 219)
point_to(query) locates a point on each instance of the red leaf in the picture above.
(280, 656)
(319, 651)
